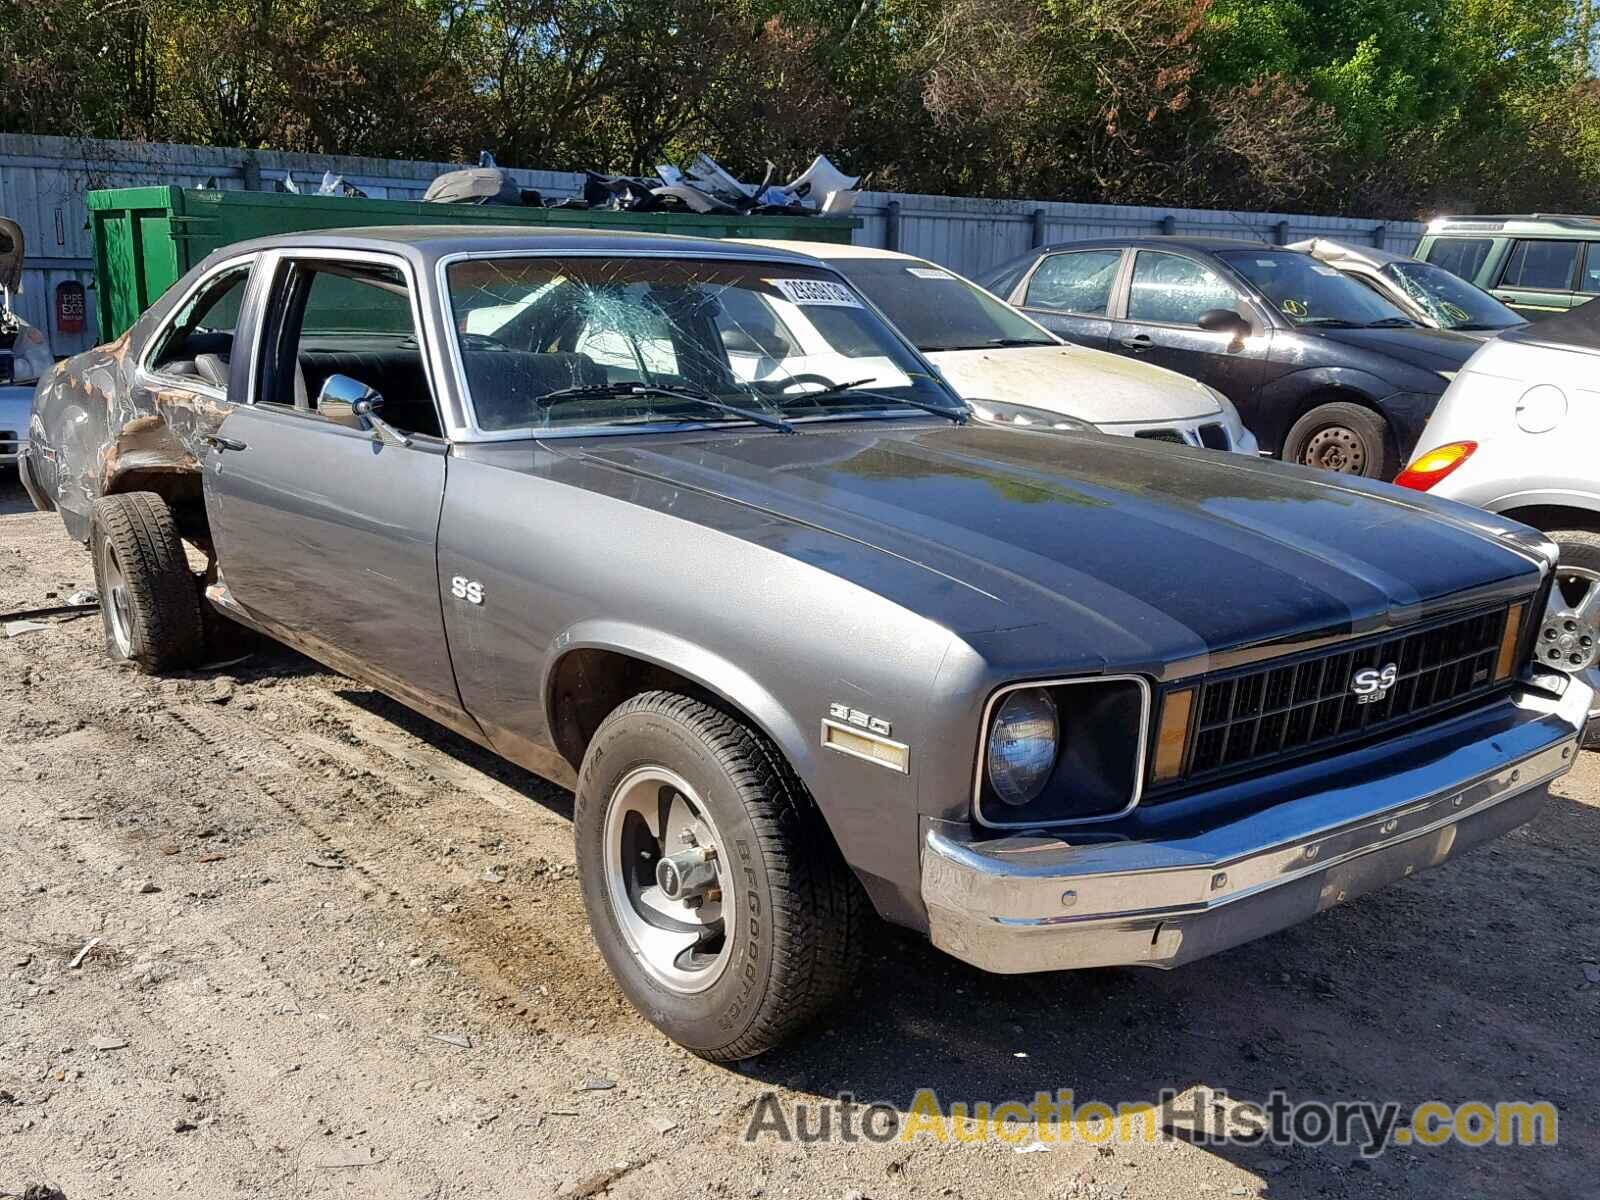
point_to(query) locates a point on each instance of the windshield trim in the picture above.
(473, 433)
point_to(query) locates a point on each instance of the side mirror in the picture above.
(1224, 320)
(351, 403)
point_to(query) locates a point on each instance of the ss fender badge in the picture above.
(466, 589)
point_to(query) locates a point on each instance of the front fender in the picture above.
(697, 664)
(1284, 400)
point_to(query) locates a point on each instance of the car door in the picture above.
(1069, 293)
(325, 529)
(1158, 322)
(1539, 276)
(1589, 275)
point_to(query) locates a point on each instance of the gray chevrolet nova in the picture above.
(805, 640)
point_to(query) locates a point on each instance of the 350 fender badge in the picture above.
(861, 720)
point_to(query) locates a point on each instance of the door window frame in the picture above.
(193, 383)
(1573, 275)
(1248, 307)
(276, 263)
(1021, 290)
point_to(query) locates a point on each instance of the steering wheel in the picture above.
(480, 341)
(780, 387)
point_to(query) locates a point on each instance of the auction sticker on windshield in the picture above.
(816, 292)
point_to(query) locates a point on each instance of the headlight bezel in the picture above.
(1089, 708)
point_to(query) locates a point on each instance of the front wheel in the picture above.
(1346, 438)
(717, 897)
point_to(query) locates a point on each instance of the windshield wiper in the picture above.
(694, 395)
(1392, 323)
(958, 415)
(1329, 322)
(1020, 341)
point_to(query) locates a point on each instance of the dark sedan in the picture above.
(1324, 371)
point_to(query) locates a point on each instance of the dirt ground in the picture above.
(338, 951)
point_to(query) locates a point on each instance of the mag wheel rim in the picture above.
(1569, 637)
(665, 861)
(118, 604)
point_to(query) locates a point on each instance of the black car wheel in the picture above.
(718, 898)
(1346, 438)
(149, 599)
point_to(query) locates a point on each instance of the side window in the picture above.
(1170, 290)
(1077, 282)
(1463, 257)
(1545, 266)
(198, 341)
(1589, 281)
(354, 319)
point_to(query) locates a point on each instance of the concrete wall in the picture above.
(43, 179)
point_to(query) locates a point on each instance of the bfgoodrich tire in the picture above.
(741, 960)
(149, 600)
(1346, 438)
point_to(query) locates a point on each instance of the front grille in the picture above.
(1214, 437)
(1162, 435)
(1255, 716)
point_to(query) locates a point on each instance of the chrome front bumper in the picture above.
(1043, 903)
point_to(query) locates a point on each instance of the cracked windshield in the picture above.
(553, 343)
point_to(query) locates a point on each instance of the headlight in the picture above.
(1022, 746)
(1062, 751)
(1001, 412)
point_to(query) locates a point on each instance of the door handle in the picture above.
(1139, 341)
(225, 443)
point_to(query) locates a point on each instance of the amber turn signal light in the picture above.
(1172, 735)
(1507, 662)
(1433, 466)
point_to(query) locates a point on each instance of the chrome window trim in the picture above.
(451, 353)
(191, 383)
(1145, 695)
(290, 254)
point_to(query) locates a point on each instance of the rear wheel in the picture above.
(1346, 438)
(713, 888)
(149, 600)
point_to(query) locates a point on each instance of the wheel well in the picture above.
(588, 685)
(1334, 395)
(180, 488)
(1555, 516)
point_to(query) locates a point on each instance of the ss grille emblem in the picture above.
(1373, 683)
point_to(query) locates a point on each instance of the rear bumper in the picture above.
(1037, 903)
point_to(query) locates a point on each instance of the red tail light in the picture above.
(1433, 466)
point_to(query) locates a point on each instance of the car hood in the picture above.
(1429, 349)
(1132, 554)
(1101, 388)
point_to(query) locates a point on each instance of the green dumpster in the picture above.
(145, 238)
